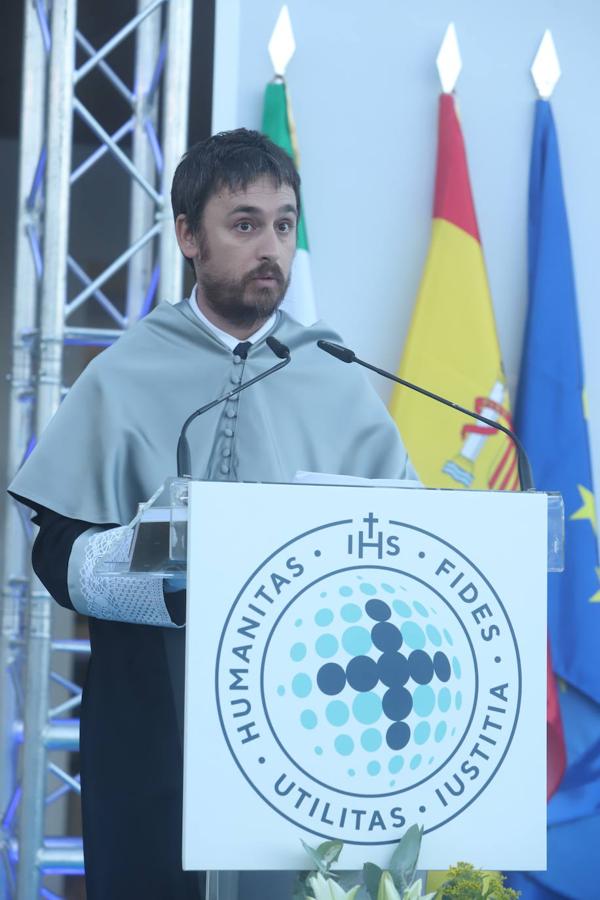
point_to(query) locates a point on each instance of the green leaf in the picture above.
(300, 886)
(400, 882)
(329, 851)
(372, 876)
(313, 856)
(403, 864)
(324, 855)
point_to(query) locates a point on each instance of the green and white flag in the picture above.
(278, 125)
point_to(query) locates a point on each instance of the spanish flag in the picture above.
(452, 347)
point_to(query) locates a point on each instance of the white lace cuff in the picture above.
(120, 598)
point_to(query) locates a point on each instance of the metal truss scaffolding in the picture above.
(38, 704)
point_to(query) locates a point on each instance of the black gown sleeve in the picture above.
(52, 549)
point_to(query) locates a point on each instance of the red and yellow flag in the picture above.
(452, 347)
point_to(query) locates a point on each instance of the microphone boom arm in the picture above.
(524, 466)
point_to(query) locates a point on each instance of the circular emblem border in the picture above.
(229, 616)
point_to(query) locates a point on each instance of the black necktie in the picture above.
(242, 349)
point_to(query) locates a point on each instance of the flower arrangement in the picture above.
(464, 882)
(399, 881)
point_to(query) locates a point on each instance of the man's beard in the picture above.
(229, 299)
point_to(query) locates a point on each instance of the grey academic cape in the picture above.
(108, 448)
(113, 440)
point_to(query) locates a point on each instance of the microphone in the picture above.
(348, 356)
(184, 460)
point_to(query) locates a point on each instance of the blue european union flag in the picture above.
(550, 415)
(551, 421)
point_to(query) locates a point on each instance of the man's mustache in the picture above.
(266, 271)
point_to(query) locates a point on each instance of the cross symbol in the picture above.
(370, 520)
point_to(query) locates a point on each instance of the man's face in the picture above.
(243, 253)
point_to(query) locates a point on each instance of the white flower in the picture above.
(387, 888)
(328, 889)
(414, 892)
(388, 891)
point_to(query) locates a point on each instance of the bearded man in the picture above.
(236, 203)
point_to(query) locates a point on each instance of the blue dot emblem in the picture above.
(301, 685)
(356, 640)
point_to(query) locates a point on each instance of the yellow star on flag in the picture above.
(588, 509)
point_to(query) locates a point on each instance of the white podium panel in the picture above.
(359, 660)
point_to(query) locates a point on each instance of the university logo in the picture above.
(368, 677)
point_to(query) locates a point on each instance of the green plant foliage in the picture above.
(404, 860)
(322, 858)
(467, 883)
(371, 878)
(300, 886)
(464, 882)
(324, 855)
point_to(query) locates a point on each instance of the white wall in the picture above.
(365, 91)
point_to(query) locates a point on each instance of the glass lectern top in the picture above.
(159, 544)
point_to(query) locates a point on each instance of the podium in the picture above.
(359, 659)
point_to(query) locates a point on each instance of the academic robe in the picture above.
(110, 445)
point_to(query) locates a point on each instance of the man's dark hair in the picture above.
(230, 159)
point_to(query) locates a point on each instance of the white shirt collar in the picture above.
(228, 339)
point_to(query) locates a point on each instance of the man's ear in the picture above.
(187, 240)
